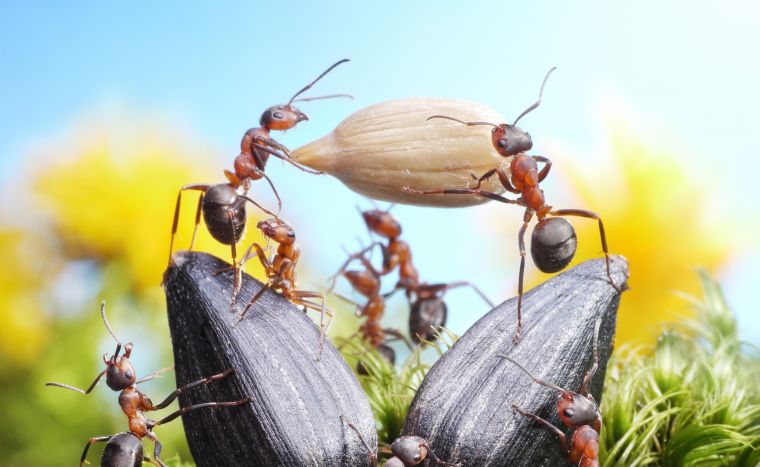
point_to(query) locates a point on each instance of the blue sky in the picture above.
(684, 69)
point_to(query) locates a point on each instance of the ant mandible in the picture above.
(522, 177)
(121, 376)
(223, 205)
(578, 411)
(428, 310)
(281, 271)
(407, 451)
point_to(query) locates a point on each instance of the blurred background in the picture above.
(107, 111)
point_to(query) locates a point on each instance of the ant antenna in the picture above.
(317, 98)
(308, 86)
(540, 94)
(539, 381)
(446, 117)
(108, 326)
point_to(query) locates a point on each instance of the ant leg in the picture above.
(483, 178)
(372, 454)
(424, 444)
(258, 295)
(298, 298)
(396, 334)
(156, 449)
(592, 371)
(97, 439)
(591, 215)
(547, 166)
(175, 222)
(285, 156)
(170, 398)
(358, 255)
(506, 183)
(521, 243)
(562, 438)
(276, 195)
(464, 191)
(189, 408)
(197, 219)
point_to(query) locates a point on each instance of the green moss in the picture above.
(694, 400)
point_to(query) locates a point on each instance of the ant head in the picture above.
(364, 281)
(278, 231)
(281, 117)
(576, 410)
(509, 140)
(120, 373)
(382, 223)
(285, 117)
(411, 450)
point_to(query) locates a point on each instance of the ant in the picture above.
(223, 205)
(428, 310)
(407, 451)
(578, 411)
(281, 271)
(367, 282)
(121, 376)
(522, 177)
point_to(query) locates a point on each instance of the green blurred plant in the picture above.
(693, 401)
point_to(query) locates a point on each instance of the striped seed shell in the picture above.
(293, 417)
(383, 148)
(464, 405)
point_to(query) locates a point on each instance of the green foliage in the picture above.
(390, 390)
(693, 401)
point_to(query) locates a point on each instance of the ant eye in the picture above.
(291, 234)
(128, 374)
(277, 115)
(568, 412)
(502, 143)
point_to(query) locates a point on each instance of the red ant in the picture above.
(428, 310)
(223, 205)
(281, 271)
(521, 176)
(407, 451)
(578, 411)
(367, 282)
(121, 376)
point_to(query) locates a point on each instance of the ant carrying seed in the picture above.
(428, 310)
(554, 239)
(577, 410)
(281, 272)
(125, 448)
(223, 205)
(407, 451)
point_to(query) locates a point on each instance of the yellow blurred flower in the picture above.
(655, 216)
(111, 196)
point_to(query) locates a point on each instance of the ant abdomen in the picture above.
(224, 213)
(122, 450)
(425, 317)
(553, 244)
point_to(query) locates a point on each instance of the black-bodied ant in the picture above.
(428, 310)
(407, 451)
(555, 238)
(578, 411)
(223, 205)
(121, 376)
(367, 282)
